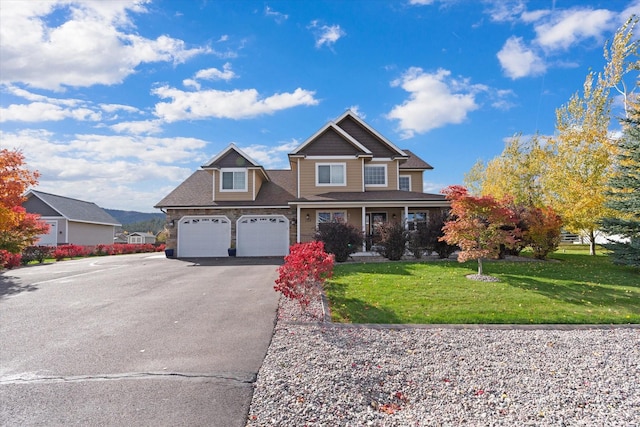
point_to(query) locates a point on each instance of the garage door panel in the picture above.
(262, 235)
(204, 236)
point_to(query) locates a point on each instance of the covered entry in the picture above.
(204, 236)
(262, 235)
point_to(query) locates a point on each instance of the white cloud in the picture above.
(235, 104)
(112, 108)
(517, 60)
(42, 111)
(45, 108)
(505, 10)
(432, 102)
(215, 74)
(277, 16)
(96, 44)
(112, 171)
(271, 157)
(141, 127)
(326, 34)
(421, 2)
(568, 27)
(433, 187)
(356, 110)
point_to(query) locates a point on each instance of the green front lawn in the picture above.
(576, 288)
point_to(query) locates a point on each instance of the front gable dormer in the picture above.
(236, 177)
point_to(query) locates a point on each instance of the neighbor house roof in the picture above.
(141, 234)
(74, 209)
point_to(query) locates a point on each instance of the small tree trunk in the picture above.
(592, 243)
(480, 266)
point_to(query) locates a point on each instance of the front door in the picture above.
(373, 221)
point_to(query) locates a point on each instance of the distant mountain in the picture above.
(130, 217)
(139, 221)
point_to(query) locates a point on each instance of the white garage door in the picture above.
(262, 235)
(204, 236)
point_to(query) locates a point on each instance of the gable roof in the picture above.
(339, 135)
(74, 209)
(196, 191)
(368, 136)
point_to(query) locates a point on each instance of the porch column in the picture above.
(297, 223)
(406, 217)
(364, 229)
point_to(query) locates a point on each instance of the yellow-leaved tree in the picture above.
(580, 160)
(516, 172)
(581, 155)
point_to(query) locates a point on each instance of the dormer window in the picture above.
(375, 175)
(331, 174)
(233, 179)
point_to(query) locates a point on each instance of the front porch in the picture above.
(366, 218)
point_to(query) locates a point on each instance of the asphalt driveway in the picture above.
(134, 340)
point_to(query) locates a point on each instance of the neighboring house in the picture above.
(346, 171)
(70, 220)
(138, 238)
(120, 238)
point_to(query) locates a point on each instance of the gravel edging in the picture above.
(319, 374)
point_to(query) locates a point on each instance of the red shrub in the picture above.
(304, 271)
(9, 260)
(70, 251)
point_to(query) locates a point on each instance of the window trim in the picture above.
(404, 176)
(234, 190)
(330, 184)
(386, 175)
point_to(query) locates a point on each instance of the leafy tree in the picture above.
(541, 230)
(623, 198)
(582, 155)
(340, 239)
(580, 160)
(18, 229)
(479, 225)
(516, 172)
(393, 240)
(474, 179)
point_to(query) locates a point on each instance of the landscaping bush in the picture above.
(36, 253)
(70, 251)
(340, 239)
(426, 236)
(9, 260)
(304, 271)
(393, 240)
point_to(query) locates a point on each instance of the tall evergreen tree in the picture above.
(624, 196)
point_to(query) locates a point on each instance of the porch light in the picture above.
(308, 218)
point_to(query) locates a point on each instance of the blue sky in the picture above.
(117, 102)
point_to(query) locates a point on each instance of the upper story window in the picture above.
(233, 180)
(405, 183)
(375, 175)
(331, 174)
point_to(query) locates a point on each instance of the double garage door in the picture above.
(210, 236)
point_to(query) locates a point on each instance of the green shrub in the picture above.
(36, 253)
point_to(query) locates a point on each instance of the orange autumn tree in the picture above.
(18, 228)
(479, 225)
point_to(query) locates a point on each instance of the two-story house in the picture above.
(346, 171)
